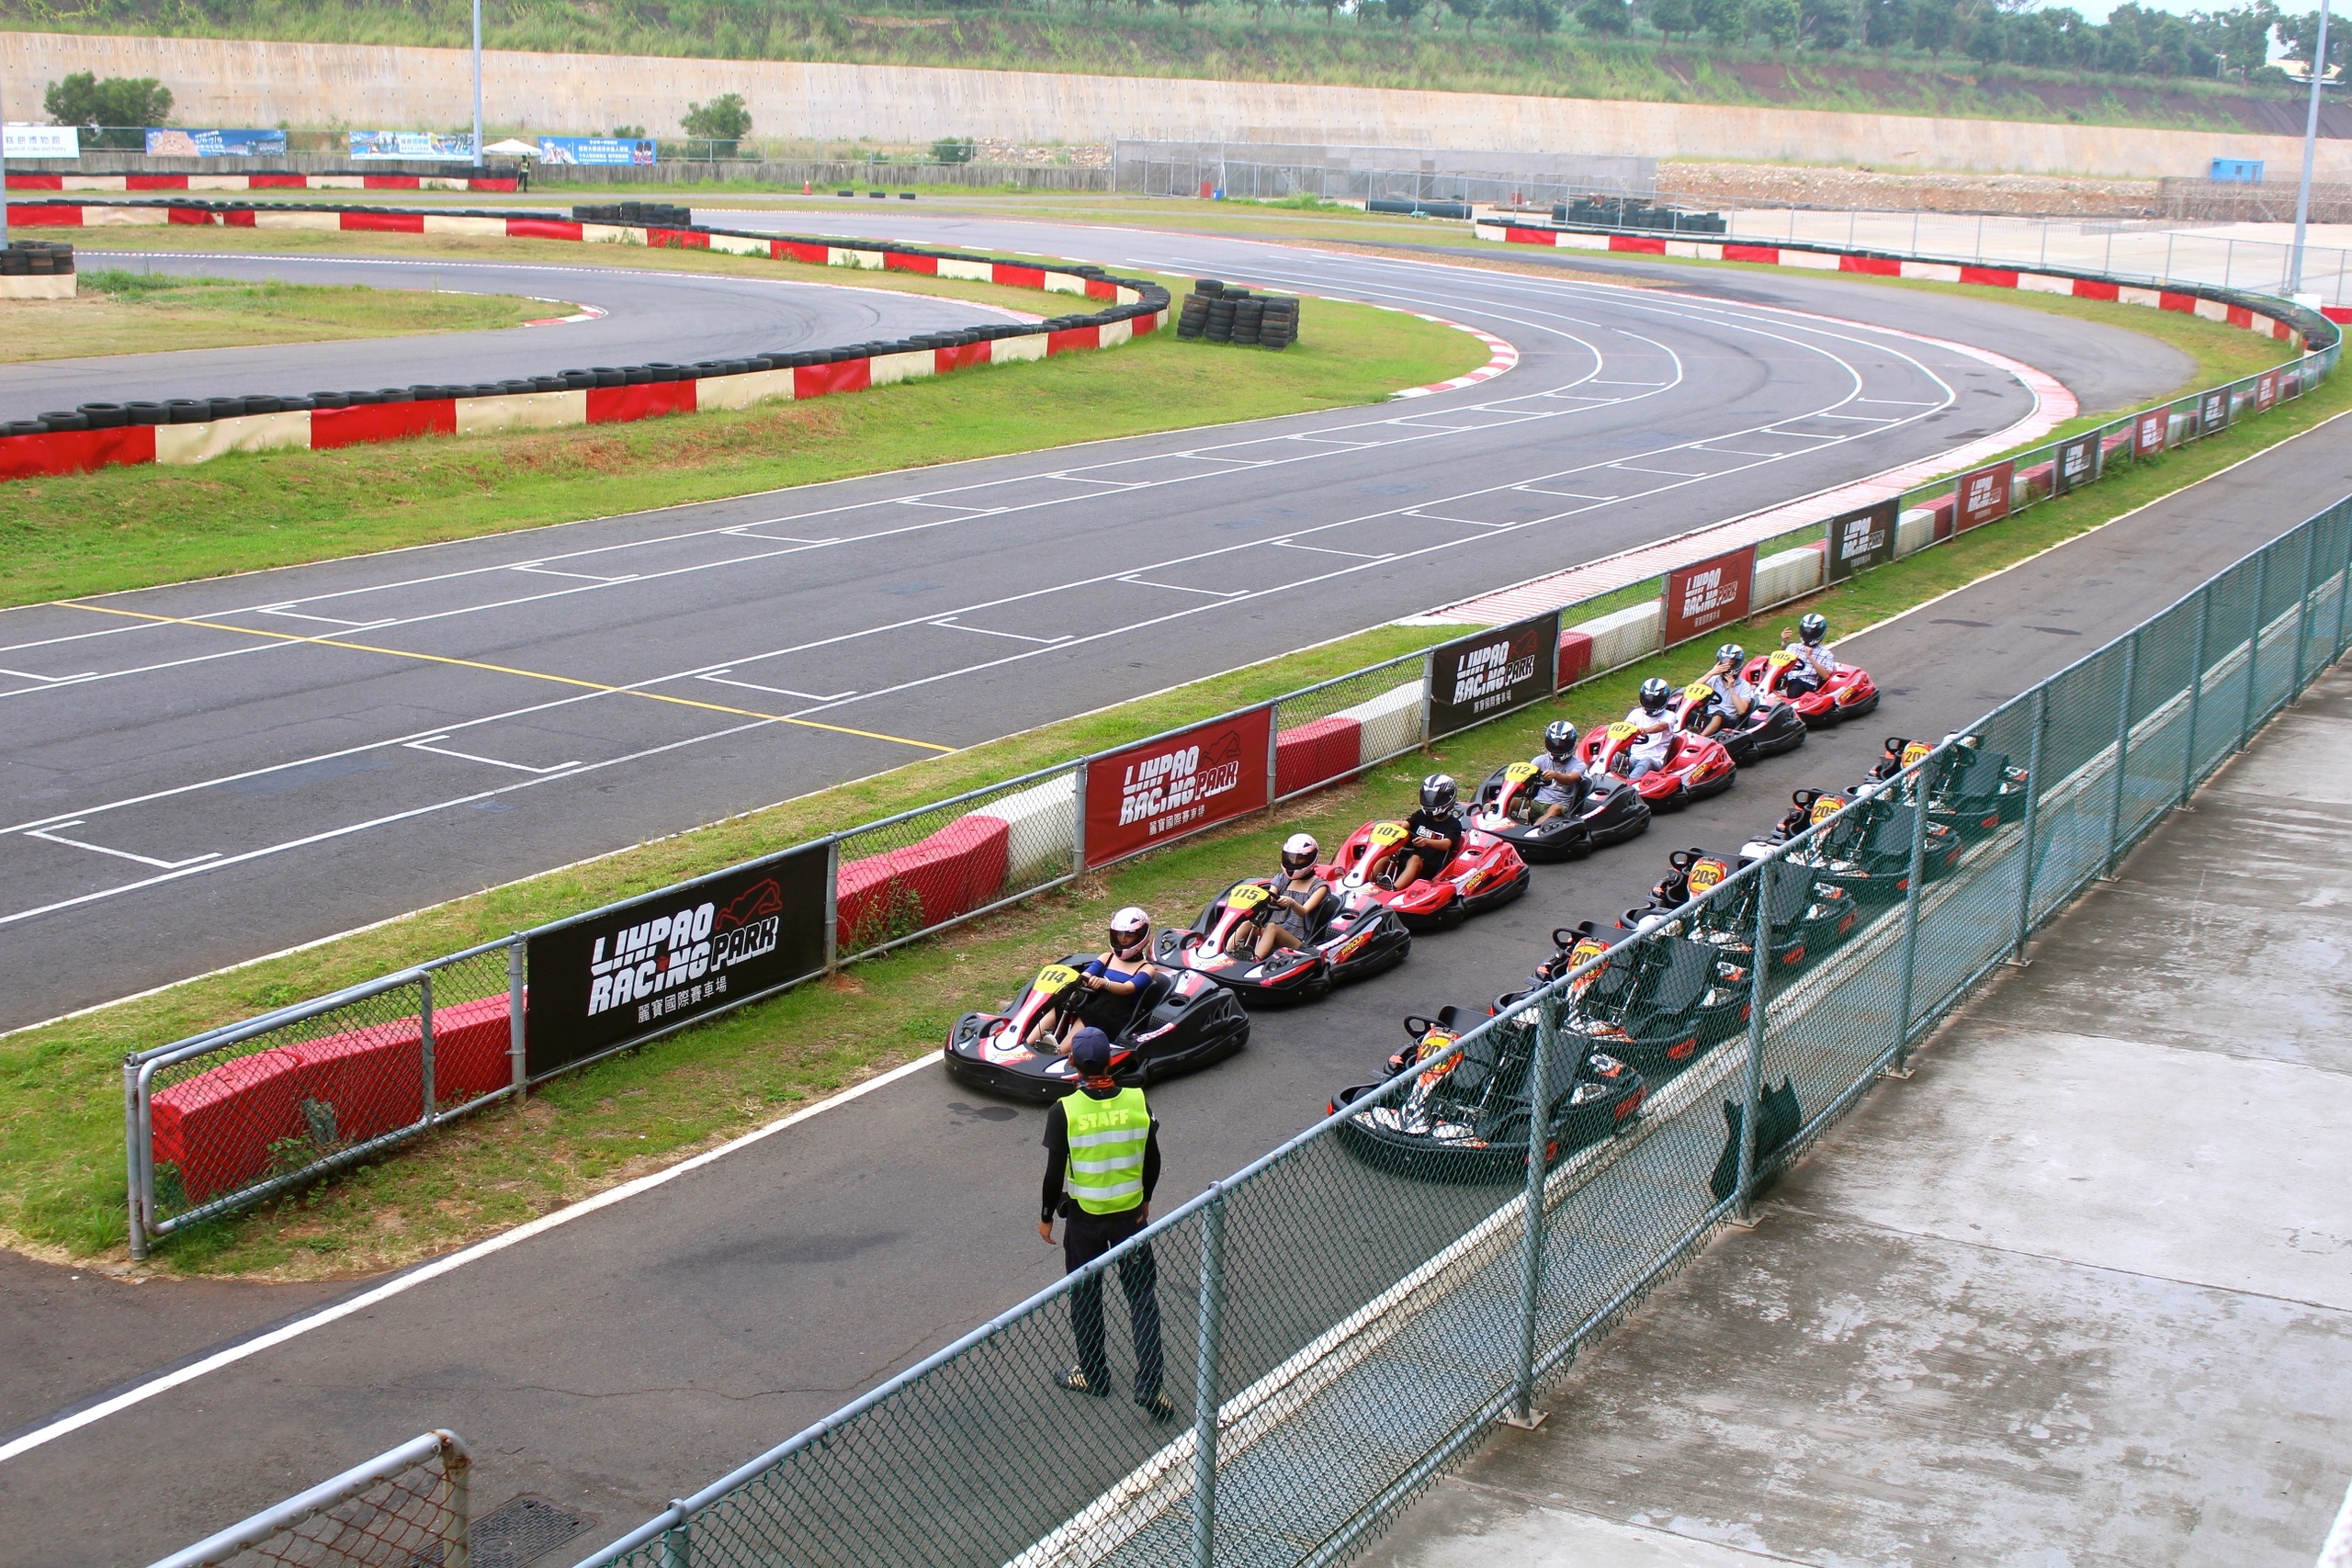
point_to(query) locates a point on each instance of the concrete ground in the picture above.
(2080, 1292)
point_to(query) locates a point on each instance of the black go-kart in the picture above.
(1180, 1021)
(1970, 791)
(1808, 917)
(1467, 1117)
(1606, 814)
(1343, 946)
(1772, 727)
(1864, 848)
(1659, 1004)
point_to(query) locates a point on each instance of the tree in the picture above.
(1932, 22)
(2240, 36)
(1609, 18)
(2300, 37)
(116, 111)
(1468, 10)
(1886, 23)
(1988, 39)
(1404, 11)
(1674, 17)
(1779, 20)
(724, 121)
(1828, 24)
(1725, 21)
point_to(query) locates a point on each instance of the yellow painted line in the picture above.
(502, 670)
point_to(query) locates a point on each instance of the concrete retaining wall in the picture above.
(231, 82)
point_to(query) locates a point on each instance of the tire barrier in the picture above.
(662, 214)
(1405, 207)
(36, 269)
(1218, 313)
(354, 179)
(193, 430)
(1617, 212)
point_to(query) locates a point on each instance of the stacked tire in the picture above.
(1216, 312)
(637, 214)
(1278, 328)
(1194, 318)
(36, 258)
(1222, 306)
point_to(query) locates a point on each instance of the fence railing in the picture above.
(234, 1116)
(407, 1505)
(1348, 1315)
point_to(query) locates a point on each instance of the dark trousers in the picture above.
(1086, 1237)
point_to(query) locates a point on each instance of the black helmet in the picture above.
(1731, 653)
(1812, 629)
(1439, 795)
(1655, 695)
(1560, 739)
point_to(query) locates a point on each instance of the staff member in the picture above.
(1101, 1162)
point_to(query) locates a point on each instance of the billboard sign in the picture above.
(415, 145)
(1863, 538)
(1475, 677)
(653, 963)
(170, 141)
(1983, 496)
(1179, 784)
(43, 141)
(1708, 594)
(2076, 465)
(2266, 391)
(597, 149)
(2148, 432)
(2213, 414)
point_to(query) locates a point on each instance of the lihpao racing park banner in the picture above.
(597, 149)
(654, 963)
(170, 141)
(1863, 538)
(1474, 678)
(1176, 784)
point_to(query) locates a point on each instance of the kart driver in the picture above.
(1432, 837)
(1734, 698)
(1559, 774)
(1654, 740)
(1815, 662)
(1288, 917)
(1108, 985)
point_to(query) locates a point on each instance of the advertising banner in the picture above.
(43, 140)
(454, 148)
(2266, 391)
(580, 150)
(170, 141)
(1475, 677)
(1863, 538)
(2213, 412)
(2148, 432)
(1177, 784)
(1708, 594)
(1984, 497)
(2076, 465)
(659, 961)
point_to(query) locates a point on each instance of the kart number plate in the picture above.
(1698, 691)
(1053, 979)
(1620, 730)
(1915, 751)
(1248, 896)
(1584, 951)
(1779, 661)
(1707, 873)
(1518, 773)
(1828, 806)
(1384, 834)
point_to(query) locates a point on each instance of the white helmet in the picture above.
(1299, 852)
(1130, 932)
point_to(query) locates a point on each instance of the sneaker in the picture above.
(1158, 1406)
(1075, 1380)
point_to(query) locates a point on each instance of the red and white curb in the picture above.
(581, 313)
(1501, 356)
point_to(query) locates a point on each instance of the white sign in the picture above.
(44, 141)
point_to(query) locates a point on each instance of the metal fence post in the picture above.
(2122, 757)
(517, 1028)
(2303, 605)
(1429, 691)
(1914, 896)
(2196, 696)
(1205, 1383)
(1078, 820)
(130, 1158)
(1759, 1002)
(832, 904)
(677, 1548)
(1539, 1158)
(2343, 582)
(2254, 646)
(457, 1466)
(2031, 821)
(1273, 753)
(424, 1040)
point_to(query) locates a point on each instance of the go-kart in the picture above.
(1863, 847)
(1772, 728)
(1343, 945)
(1178, 1022)
(1849, 694)
(1607, 814)
(1484, 876)
(1807, 918)
(1694, 768)
(1971, 791)
(1659, 1004)
(1466, 1115)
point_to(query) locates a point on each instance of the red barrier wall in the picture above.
(1576, 658)
(1072, 338)
(1876, 267)
(615, 405)
(842, 375)
(75, 451)
(381, 422)
(1316, 752)
(959, 357)
(542, 229)
(952, 873)
(382, 222)
(1769, 255)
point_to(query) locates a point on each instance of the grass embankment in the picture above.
(135, 527)
(61, 1161)
(121, 311)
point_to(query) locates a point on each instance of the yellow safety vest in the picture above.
(1107, 1137)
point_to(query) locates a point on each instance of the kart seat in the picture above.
(1153, 992)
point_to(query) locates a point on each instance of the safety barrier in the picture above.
(194, 430)
(616, 978)
(1327, 1369)
(264, 179)
(408, 1504)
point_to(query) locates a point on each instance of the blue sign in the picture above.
(172, 142)
(596, 150)
(454, 148)
(2237, 171)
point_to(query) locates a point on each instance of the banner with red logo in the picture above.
(1474, 678)
(2266, 391)
(1177, 784)
(1984, 497)
(2148, 432)
(1708, 594)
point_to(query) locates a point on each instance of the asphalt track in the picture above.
(231, 767)
(644, 1349)
(649, 316)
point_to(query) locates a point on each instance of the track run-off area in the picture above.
(232, 767)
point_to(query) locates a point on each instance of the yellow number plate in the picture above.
(1708, 873)
(1698, 691)
(1828, 806)
(1518, 773)
(1386, 833)
(1054, 978)
(1248, 896)
(1620, 730)
(1915, 750)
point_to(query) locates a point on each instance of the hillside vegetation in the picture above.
(1988, 59)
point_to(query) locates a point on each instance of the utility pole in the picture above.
(2310, 146)
(478, 84)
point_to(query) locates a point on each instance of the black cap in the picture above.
(1090, 1052)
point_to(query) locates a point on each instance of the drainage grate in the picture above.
(521, 1532)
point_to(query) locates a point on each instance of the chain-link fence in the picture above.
(1336, 728)
(408, 1507)
(1337, 1322)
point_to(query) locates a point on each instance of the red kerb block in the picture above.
(1013, 277)
(1317, 752)
(238, 220)
(677, 239)
(952, 873)
(2096, 288)
(1527, 236)
(58, 216)
(942, 360)
(617, 405)
(1769, 255)
(1576, 658)
(1876, 267)
(1990, 277)
(155, 182)
(381, 422)
(1641, 244)
(75, 451)
(1101, 288)
(190, 215)
(384, 222)
(278, 182)
(390, 182)
(36, 182)
(787, 249)
(898, 261)
(542, 229)
(2184, 303)
(1071, 338)
(842, 375)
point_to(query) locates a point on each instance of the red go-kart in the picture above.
(1694, 768)
(1486, 875)
(1848, 694)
